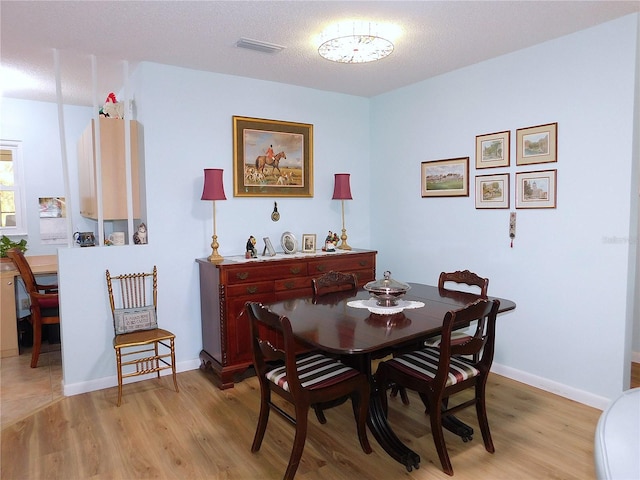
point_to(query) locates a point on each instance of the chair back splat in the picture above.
(141, 347)
(44, 301)
(437, 373)
(302, 381)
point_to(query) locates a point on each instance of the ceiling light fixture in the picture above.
(356, 42)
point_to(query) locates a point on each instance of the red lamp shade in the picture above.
(213, 187)
(341, 189)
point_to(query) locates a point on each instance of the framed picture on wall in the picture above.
(537, 144)
(492, 150)
(536, 189)
(272, 158)
(445, 178)
(492, 191)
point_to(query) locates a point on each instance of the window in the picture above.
(12, 202)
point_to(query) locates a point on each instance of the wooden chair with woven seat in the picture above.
(438, 373)
(141, 347)
(302, 381)
(44, 301)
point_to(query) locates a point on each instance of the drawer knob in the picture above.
(252, 290)
(242, 275)
(320, 268)
(295, 270)
(289, 285)
(363, 263)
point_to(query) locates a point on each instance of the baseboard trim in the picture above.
(550, 386)
(112, 381)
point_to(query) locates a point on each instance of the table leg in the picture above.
(377, 421)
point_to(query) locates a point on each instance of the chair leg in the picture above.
(403, 393)
(360, 411)
(481, 410)
(119, 368)
(302, 412)
(37, 343)
(263, 418)
(319, 414)
(435, 416)
(173, 365)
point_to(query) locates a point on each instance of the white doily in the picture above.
(371, 304)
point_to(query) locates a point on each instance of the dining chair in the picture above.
(437, 373)
(43, 298)
(302, 381)
(332, 282)
(141, 347)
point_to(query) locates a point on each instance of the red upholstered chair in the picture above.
(437, 373)
(44, 301)
(303, 381)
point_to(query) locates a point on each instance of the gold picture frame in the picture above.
(445, 178)
(537, 144)
(492, 150)
(272, 158)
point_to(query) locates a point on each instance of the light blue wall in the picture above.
(568, 268)
(568, 278)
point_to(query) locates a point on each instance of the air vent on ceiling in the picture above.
(259, 46)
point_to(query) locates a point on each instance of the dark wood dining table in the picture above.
(329, 324)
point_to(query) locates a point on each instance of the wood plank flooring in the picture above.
(205, 433)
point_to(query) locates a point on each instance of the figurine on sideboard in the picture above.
(251, 248)
(140, 236)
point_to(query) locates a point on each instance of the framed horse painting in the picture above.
(272, 158)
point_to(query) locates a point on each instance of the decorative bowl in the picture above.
(387, 291)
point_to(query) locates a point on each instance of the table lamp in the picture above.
(342, 192)
(213, 190)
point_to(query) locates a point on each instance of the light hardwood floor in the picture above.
(206, 433)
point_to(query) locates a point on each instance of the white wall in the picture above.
(568, 268)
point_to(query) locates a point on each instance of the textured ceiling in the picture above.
(437, 37)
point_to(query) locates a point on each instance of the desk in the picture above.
(359, 336)
(40, 264)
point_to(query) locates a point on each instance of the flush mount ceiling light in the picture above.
(356, 42)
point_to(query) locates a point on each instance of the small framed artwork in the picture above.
(537, 144)
(492, 191)
(289, 242)
(492, 150)
(272, 158)
(445, 178)
(268, 248)
(536, 189)
(309, 243)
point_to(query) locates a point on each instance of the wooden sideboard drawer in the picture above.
(253, 272)
(346, 263)
(255, 288)
(293, 283)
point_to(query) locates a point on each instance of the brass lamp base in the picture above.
(215, 257)
(343, 238)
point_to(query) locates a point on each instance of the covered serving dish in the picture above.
(387, 291)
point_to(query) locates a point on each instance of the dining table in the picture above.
(349, 325)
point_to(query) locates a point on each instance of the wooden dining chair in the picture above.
(43, 298)
(333, 282)
(438, 373)
(141, 347)
(303, 381)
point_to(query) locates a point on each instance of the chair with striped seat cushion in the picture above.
(303, 381)
(438, 373)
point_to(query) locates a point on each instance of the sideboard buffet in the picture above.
(226, 286)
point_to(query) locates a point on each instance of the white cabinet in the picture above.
(114, 185)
